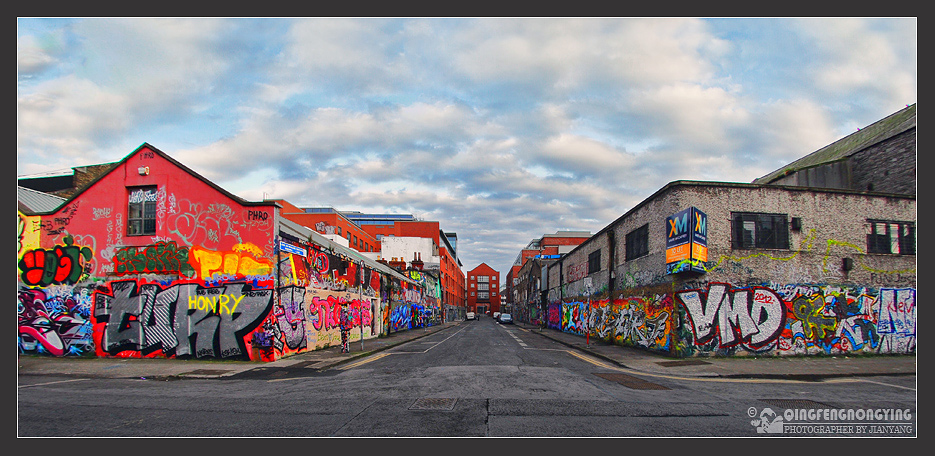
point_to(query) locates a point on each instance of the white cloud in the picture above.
(503, 129)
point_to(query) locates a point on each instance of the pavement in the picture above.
(635, 360)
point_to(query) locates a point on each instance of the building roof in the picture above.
(33, 201)
(110, 167)
(883, 129)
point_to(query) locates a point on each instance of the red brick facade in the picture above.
(480, 280)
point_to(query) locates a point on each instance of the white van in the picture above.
(471, 316)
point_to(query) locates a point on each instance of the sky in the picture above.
(500, 129)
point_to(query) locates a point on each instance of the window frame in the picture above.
(637, 243)
(773, 226)
(594, 261)
(146, 221)
(883, 244)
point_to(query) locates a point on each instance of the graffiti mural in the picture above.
(799, 320)
(753, 317)
(54, 321)
(135, 319)
(61, 264)
(160, 258)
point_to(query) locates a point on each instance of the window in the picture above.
(638, 242)
(483, 279)
(472, 284)
(483, 295)
(594, 262)
(891, 237)
(141, 216)
(751, 230)
(483, 286)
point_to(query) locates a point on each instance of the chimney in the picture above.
(417, 263)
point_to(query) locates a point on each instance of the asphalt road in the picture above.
(477, 379)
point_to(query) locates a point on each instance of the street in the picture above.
(476, 379)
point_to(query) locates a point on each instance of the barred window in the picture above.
(594, 262)
(891, 237)
(638, 242)
(752, 230)
(141, 214)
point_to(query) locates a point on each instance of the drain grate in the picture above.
(630, 381)
(796, 403)
(684, 362)
(433, 403)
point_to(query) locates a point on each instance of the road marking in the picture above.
(590, 360)
(364, 361)
(433, 346)
(52, 383)
(886, 384)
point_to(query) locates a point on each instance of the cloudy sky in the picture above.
(500, 129)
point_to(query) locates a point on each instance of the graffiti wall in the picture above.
(151, 260)
(798, 320)
(770, 320)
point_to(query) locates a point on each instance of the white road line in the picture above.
(52, 383)
(433, 346)
(887, 384)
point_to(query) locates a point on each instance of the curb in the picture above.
(811, 377)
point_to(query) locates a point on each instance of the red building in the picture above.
(451, 275)
(149, 259)
(483, 287)
(330, 222)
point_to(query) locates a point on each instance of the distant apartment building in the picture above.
(402, 240)
(333, 225)
(483, 289)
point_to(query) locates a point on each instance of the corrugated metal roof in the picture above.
(30, 200)
(888, 127)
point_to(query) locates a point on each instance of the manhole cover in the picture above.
(683, 362)
(796, 403)
(630, 381)
(433, 403)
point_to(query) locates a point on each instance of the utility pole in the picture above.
(360, 301)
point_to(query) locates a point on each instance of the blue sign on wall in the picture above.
(287, 247)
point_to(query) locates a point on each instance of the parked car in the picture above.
(506, 319)
(471, 316)
(496, 316)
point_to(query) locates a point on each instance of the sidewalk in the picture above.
(790, 368)
(635, 359)
(162, 368)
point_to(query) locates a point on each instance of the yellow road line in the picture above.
(364, 361)
(590, 360)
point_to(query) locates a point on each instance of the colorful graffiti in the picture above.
(135, 319)
(800, 320)
(243, 260)
(637, 321)
(61, 264)
(160, 258)
(753, 317)
(767, 320)
(54, 322)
